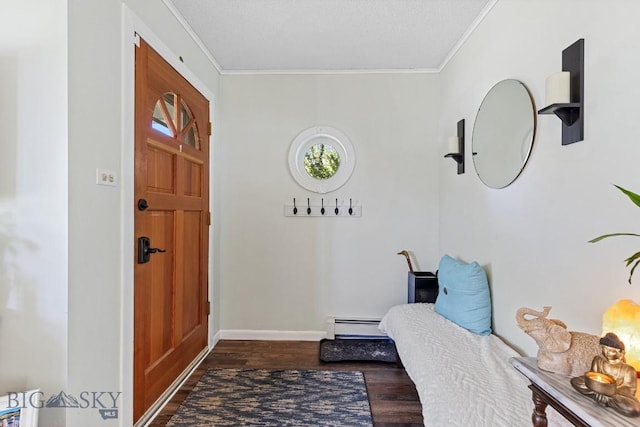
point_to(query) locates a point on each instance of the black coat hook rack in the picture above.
(343, 208)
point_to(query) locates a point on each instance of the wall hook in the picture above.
(318, 208)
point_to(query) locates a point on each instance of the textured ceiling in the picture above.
(329, 35)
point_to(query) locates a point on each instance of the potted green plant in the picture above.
(635, 258)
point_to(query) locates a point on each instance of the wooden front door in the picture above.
(171, 226)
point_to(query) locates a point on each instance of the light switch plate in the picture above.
(106, 177)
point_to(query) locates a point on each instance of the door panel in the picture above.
(161, 170)
(192, 178)
(160, 297)
(172, 175)
(191, 256)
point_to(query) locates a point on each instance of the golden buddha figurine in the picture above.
(611, 381)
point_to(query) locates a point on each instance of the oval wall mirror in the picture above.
(503, 133)
(321, 159)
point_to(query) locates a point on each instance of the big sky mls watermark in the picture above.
(105, 402)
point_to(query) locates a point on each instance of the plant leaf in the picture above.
(632, 258)
(604, 236)
(632, 270)
(633, 196)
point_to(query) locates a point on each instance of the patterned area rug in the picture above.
(260, 397)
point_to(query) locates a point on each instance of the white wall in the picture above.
(94, 211)
(532, 236)
(100, 348)
(287, 274)
(33, 199)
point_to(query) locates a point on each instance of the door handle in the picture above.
(145, 250)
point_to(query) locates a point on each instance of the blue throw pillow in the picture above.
(464, 296)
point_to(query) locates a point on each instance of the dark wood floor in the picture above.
(393, 397)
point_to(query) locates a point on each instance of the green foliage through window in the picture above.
(321, 161)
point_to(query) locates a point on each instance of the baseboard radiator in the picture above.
(352, 328)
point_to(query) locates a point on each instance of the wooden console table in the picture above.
(556, 391)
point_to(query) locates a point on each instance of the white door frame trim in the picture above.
(132, 25)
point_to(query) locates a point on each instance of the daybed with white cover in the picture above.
(461, 371)
(463, 379)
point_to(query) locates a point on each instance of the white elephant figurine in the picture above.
(560, 350)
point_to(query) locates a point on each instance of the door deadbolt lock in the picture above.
(143, 205)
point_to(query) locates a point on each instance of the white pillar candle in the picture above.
(558, 88)
(453, 145)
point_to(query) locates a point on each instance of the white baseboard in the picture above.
(257, 335)
(214, 340)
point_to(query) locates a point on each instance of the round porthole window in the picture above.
(321, 159)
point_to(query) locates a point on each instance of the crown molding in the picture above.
(468, 33)
(329, 72)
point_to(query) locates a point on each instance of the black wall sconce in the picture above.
(565, 94)
(456, 147)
